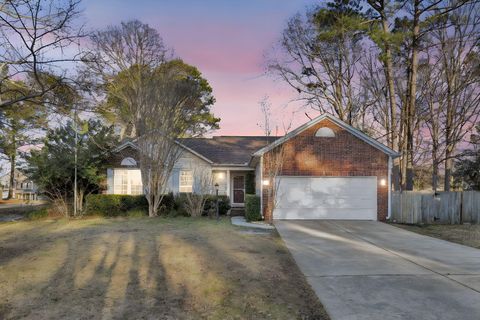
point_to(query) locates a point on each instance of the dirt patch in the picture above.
(149, 269)
(465, 234)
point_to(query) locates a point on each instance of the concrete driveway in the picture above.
(371, 270)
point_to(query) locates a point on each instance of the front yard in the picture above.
(178, 268)
(465, 234)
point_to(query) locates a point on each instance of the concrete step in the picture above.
(234, 212)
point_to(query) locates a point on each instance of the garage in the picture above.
(339, 198)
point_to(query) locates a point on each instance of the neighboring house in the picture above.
(23, 188)
(330, 171)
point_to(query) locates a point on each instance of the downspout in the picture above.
(389, 179)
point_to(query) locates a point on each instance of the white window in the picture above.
(186, 181)
(128, 162)
(127, 181)
(325, 133)
(135, 182)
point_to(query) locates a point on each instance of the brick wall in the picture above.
(342, 155)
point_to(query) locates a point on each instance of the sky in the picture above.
(227, 40)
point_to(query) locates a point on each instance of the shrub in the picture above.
(37, 214)
(180, 205)
(111, 205)
(250, 182)
(223, 204)
(168, 202)
(252, 208)
(195, 204)
(210, 204)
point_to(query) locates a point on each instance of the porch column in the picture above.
(228, 183)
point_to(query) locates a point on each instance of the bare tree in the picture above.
(318, 57)
(458, 38)
(161, 121)
(273, 160)
(202, 187)
(430, 105)
(384, 40)
(163, 100)
(420, 12)
(38, 41)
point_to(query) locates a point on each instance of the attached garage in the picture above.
(339, 198)
(327, 170)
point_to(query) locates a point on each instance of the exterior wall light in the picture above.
(266, 182)
(383, 182)
(221, 175)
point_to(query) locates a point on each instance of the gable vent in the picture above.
(325, 132)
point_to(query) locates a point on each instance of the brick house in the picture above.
(329, 170)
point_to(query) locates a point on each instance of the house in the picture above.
(330, 170)
(23, 188)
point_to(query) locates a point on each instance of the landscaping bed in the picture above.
(148, 268)
(465, 234)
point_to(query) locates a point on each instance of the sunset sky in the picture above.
(227, 40)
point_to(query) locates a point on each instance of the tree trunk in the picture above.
(391, 87)
(435, 177)
(12, 176)
(411, 99)
(80, 196)
(392, 99)
(449, 127)
(448, 168)
(434, 170)
(152, 212)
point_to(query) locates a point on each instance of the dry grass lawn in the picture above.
(143, 268)
(465, 234)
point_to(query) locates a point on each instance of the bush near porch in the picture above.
(252, 208)
(111, 205)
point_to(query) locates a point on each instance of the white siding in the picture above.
(109, 181)
(189, 161)
(258, 179)
(220, 177)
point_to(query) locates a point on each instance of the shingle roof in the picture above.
(227, 149)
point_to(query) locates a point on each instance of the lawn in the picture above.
(465, 234)
(142, 268)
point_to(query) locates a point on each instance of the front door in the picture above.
(239, 189)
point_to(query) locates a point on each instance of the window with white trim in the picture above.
(325, 132)
(127, 181)
(185, 181)
(129, 162)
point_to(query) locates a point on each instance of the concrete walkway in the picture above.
(371, 270)
(242, 222)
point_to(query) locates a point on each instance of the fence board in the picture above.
(471, 206)
(444, 207)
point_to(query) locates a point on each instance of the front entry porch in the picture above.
(232, 182)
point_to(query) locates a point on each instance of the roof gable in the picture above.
(228, 150)
(218, 150)
(355, 132)
(131, 144)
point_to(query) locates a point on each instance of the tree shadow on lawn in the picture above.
(152, 269)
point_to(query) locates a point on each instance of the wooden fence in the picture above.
(444, 207)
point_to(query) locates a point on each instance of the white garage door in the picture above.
(346, 198)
